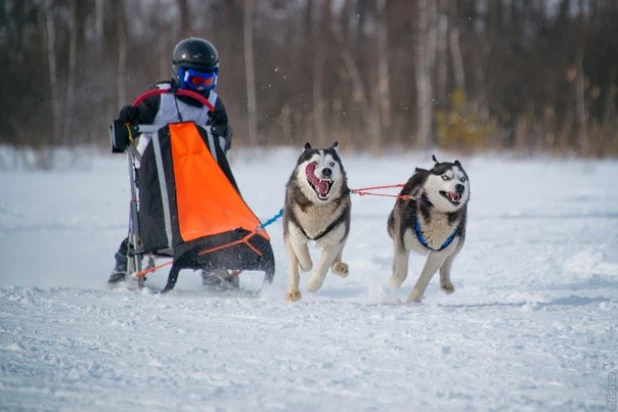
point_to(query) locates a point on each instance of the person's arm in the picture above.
(145, 111)
(148, 109)
(220, 125)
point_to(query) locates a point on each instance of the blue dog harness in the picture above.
(421, 238)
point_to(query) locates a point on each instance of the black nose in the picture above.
(460, 188)
(327, 172)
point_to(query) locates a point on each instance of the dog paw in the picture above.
(448, 288)
(341, 269)
(415, 296)
(314, 283)
(293, 295)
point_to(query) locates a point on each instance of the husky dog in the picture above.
(317, 207)
(431, 220)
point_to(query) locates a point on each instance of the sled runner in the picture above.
(185, 203)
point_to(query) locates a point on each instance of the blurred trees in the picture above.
(528, 75)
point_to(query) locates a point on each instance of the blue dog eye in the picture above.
(445, 177)
(463, 179)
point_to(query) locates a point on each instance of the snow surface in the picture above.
(530, 327)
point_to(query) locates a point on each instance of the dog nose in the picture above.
(460, 188)
(327, 172)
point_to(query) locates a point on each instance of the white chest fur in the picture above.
(436, 230)
(317, 218)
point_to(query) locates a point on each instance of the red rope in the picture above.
(378, 187)
(152, 269)
(366, 191)
(244, 240)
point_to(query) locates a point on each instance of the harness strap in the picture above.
(326, 231)
(421, 238)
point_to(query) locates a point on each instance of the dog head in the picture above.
(446, 186)
(320, 173)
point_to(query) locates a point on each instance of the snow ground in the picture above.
(530, 327)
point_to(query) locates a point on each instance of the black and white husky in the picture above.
(317, 207)
(432, 222)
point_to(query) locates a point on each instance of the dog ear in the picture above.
(433, 157)
(335, 145)
(457, 163)
(419, 170)
(307, 146)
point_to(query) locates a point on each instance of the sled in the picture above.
(185, 203)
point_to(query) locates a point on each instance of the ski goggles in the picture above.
(198, 80)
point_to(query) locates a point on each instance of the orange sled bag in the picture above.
(190, 207)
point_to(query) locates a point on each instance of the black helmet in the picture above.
(194, 53)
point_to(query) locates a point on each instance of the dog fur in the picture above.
(317, 207)
(435, 212)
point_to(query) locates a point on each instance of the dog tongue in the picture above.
(454, 196)
(320, 185)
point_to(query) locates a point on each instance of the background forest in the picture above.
(529, 76)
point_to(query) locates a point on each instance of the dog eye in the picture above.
(445, 177)
(331, 164)
(463, 179)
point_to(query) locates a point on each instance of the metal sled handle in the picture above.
(149, 128)
(179, 92)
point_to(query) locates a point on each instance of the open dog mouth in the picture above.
(320, 186)
(453, 197)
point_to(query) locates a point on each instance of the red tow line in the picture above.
(366, 191)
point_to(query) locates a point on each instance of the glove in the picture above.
(223, 133)
(129, 114)
(220, 130)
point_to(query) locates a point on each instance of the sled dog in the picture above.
(317, 207)
(431, 220)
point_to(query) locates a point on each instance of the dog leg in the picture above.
(433, 263)
(445, 275)
(293, 276)
(400, 267)
(338, 267)
(316, 279)
(301, 251)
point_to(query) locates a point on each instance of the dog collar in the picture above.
(421, 238)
